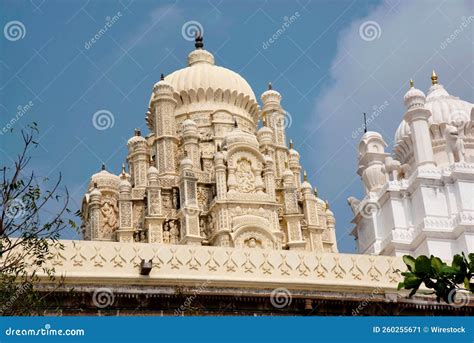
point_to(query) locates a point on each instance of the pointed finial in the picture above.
(270, 86)
(138, 132)
(162, 77)
(434, 78)
(412, 84)
(315, 191)
(365, 123)
(123, 168)
(198, 41)
(305, 176)
(291, 144)
(103, 166)
(327, 204)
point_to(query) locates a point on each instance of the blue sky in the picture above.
(328, 71)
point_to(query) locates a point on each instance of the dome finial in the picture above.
(270, 86)
(412, 84)
(103, 166)
(162, 77)
(434, 78)
(305, 176)
(138, 132)
(291, 144)
(365, 123)
(315, 191)
(198, 41)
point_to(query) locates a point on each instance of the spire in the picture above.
(412, 84)
(365, 123)
(434, 78)
(123, 168)
(291, 144)
(162, 77)
(305, 176)
(137, 132)
(198, 41)
(103, 166)
(315, 191)
(270, 86)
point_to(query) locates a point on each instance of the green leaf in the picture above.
(458, 262)
(412, 282)
(437, 264)
(422, 264)
(400, 285)
(410, 262)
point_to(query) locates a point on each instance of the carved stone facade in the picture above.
(214, 170)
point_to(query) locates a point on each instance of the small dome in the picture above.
(270, 95)
(163, 87)
(137, 138)
(125, 186)
(265, 135)
(104, 179)
(152, 170)
(306, 186)
(189, 126)
(414, 98)
(186, 163)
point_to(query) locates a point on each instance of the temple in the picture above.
(419, 200)
(207, 174)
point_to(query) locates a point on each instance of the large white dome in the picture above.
(202, 73)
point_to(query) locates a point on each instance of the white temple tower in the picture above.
(420, 199)
(206, 174)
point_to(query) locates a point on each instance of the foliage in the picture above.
(445, 280)
(29, 233)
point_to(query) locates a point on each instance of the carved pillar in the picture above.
(294, 163)
(189, 211)
(221, 182)
(163, 106)
(275, 119)
(292, 217)
(417, 118)
(269, 177)
(154, 218)
(94, 213)
(138, 159)
(125, 230)
(190, 142)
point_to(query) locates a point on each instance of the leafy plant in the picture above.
(29, 231)
(445, 280)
